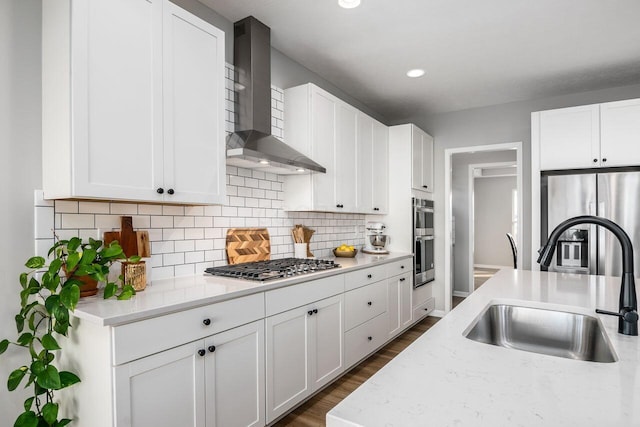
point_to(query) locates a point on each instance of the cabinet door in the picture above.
(116, 93)
(380, 166)
(416, 159)
(400, 308)
(365, 155)
(323, 136)
(235, 377)
(287, 361)
(326, 340)
(163, 389)
(620, 133)
(427, 162)
(570, 138)
(194, 93)
(345, 158)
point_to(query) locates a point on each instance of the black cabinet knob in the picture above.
(369, 303)
(315, 310)
(376, 209)
(402, 279)
(595, 160)
(425, 186)
(369, 276)
(206, 322)
(201, 352)
(604, 160)
(211, 348)
(426, 309)
(160, 190)
(369, 338)
(402, 267)
(170, 191)
(310, 312)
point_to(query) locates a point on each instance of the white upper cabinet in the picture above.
(340, 138)
(133, 94)
(421, 160)
(569, 138)
(588, 136)
(620, 133)
(373, 168)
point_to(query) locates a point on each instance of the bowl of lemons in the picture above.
(345, 251)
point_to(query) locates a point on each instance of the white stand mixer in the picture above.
(375, 240)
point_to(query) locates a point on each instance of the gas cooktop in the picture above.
(274, 269)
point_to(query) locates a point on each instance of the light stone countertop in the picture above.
(180, 293)
(445, 379)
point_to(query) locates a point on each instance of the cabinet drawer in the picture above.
(400, 267)
(358, 278)
(365, 339)
(139, 339)
(423, 309)
(293, 296)
(364, 303)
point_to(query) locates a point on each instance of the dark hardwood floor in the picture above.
(313, 412)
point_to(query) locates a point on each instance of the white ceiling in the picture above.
(475, 52)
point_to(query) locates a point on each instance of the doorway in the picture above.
(457, 262)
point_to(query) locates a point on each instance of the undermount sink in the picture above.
(550, 332)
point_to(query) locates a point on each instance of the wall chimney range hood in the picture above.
(252, 145)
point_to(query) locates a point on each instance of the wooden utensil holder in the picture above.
(135, 274)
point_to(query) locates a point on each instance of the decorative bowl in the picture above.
(345, 254)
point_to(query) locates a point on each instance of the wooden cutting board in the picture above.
(248, 245)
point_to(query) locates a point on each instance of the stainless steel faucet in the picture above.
(628, 304)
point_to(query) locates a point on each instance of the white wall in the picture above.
(492, 220)
(460, 204)
(19, 168)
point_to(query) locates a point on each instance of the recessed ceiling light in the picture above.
(349, 4)
(264, 162)
(416, 72)
(299, 170)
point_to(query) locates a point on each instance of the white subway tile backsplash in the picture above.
(44, 222)
(194, 210)
(194, 233)
(203, 221)
(93, 207)
(193, 257)
(173, 259)
(185, 270)
(162, 221)
(78, 221)
(39, 200)
(172, 210)
(162, 247)
(185, 245)
(183, 221)
(173, 234)
(107, 221)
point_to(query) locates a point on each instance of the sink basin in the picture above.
(551, 332)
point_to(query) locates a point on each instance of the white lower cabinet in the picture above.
(400, 303)
(215, 382)
(423, 301)
(304, 351)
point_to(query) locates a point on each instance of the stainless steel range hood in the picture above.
(252, 145)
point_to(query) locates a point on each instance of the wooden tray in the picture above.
(248, 245)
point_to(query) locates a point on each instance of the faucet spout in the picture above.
(628, 304)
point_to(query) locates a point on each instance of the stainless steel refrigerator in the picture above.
(589, 249)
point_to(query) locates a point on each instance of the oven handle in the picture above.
(424, 237)
(421, 209)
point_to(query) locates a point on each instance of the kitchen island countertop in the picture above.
(180, 293)
(445, 379)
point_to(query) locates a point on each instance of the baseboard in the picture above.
(437, 313)
(461, 294)
(499, 267)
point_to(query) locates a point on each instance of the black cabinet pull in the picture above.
(315, 311)
(170, 191)
(160, 190)
(402, 267)
(206, 322)
(201, 352)
(402, 279)
(369, 276)
(339, 206)
(369, 303)
(595, 160)
(310, 312)
(426, 309)
(211, 348)
(425, 186)
(369, 338)
(376, 209)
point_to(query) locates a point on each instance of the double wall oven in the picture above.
(423, 242)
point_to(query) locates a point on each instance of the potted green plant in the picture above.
(49, 293)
